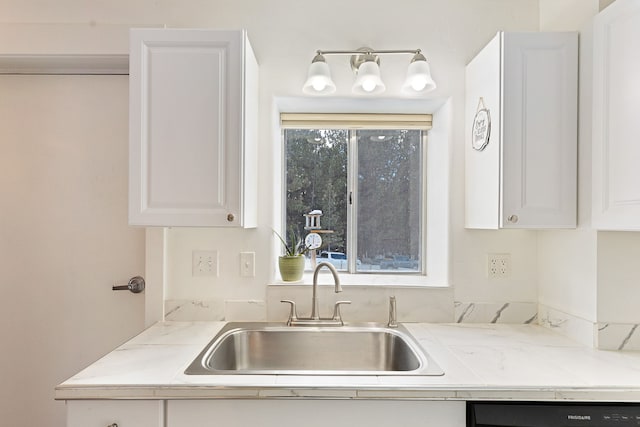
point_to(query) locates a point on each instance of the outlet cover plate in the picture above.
(498, 266)
(205, 263)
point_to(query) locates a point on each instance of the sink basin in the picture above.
(277, 349)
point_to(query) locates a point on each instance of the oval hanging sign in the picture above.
(481, 128)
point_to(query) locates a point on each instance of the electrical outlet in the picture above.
(205, 263)
(247, 264)
(499, 266)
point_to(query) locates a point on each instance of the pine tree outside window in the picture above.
(366, 173)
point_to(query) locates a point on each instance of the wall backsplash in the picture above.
(367, 305)
(505, 312)
(413, 304)
(605, 336)
(618, 336)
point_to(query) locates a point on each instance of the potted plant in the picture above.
(291, 264)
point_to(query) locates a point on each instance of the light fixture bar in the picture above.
(366, 52)
(365, 63)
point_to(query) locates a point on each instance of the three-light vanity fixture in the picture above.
(365, 63)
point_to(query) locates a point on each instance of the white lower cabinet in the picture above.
(264, 413)
(111, 413)
(314, 413)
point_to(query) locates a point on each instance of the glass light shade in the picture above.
(319, 80)
(368, 81)
(418, 78)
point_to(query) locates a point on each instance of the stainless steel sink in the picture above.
(276, 349)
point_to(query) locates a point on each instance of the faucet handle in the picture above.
(293, 314)
(393, 314)
(336, 311)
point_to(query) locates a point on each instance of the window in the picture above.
(366, 173)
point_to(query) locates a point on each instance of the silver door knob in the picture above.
(136, 285)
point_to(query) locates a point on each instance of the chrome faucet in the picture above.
(315, 319)
(314, 298)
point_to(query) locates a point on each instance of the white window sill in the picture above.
(346, 279)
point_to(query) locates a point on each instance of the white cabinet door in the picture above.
(314, 413)
(123, 413)
(616, 127)
(526, 175)
(193, 118)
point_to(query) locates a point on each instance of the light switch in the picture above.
(247, 264)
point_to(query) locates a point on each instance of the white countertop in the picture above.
(480, 361)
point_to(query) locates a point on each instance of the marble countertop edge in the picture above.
(492, 362)
(346, 392)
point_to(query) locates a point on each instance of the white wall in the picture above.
(566, 15)
(450, 34)
(618, 277)
(567, 259)
(587, 279)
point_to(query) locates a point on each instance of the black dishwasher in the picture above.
(552, 414)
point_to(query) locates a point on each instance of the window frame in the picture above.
(440, 183)
(352, 123)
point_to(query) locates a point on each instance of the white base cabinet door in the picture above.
(123, 413)
(193, 128)
(616, 127)
(521, 132)
(315, 413)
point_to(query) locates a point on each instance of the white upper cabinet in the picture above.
(193, 128)
(616, 126)
(521, 155)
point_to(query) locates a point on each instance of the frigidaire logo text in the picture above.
(579, 417)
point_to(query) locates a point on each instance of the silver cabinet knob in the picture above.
(513, 218)
(136, 285)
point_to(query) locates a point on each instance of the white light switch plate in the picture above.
(247, 264)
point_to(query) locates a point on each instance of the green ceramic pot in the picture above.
(291, 268)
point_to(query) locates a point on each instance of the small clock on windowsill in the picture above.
(313, 241)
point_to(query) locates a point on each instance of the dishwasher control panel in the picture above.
(552, 414)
